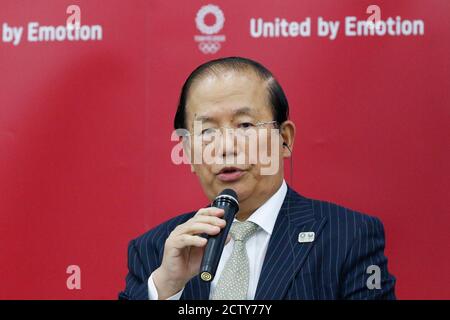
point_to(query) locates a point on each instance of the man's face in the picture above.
(234, 100)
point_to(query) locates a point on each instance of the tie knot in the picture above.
(241, 231)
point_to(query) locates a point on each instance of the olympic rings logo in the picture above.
(209, 47)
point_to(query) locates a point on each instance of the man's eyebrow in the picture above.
(242, 111)
(237, 112)
(203, 118)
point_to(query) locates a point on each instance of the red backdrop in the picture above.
(85, 132)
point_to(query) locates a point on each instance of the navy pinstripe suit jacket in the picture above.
(333, 266)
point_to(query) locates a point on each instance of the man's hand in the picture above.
(183, 251)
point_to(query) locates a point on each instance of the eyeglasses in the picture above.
(243, 129)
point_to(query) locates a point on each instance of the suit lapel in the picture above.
(204, 288)
(285, 255)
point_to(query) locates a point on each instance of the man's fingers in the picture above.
(197, 228)
(216, 221)
(187, 240)
(205, 221)
(211, 211)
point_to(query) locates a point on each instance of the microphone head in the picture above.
(228, 193)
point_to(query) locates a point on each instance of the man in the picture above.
(281, 244)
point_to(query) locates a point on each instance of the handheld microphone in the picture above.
(228, 201)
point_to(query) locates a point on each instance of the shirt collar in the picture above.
(266, 215)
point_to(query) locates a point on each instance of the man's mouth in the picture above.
(230, 174)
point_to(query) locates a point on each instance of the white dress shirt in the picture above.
(265, 217)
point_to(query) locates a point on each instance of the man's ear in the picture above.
(287, 132)
(187, 151)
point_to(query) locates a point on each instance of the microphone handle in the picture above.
(214, 247)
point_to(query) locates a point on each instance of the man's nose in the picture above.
(228, 142)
